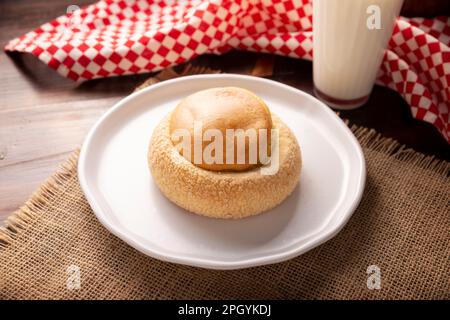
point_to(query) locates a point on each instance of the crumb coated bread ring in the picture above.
(223, 194)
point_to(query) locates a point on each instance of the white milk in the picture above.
(347, 54)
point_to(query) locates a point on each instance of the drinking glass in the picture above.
(349, 40)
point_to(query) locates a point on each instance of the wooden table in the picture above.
(43, 116)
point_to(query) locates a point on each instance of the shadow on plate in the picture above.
(250, 232)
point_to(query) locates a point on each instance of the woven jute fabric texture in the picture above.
(402, 225)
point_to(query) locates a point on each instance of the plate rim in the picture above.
(312, 242)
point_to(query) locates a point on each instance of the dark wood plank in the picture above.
(43, 116)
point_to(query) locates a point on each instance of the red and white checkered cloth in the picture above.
(116, 37)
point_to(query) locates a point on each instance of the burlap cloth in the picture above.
(402, 225)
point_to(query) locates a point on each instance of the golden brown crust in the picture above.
(222, 194)
(221, 109)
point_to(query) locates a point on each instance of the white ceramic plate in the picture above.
(114, 175)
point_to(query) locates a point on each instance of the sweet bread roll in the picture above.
(228, 191)
(222, 109)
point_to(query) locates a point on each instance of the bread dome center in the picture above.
(239, 116)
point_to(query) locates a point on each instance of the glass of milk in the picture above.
(350, 37)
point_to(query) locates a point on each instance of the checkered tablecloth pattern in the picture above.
(116, 37)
